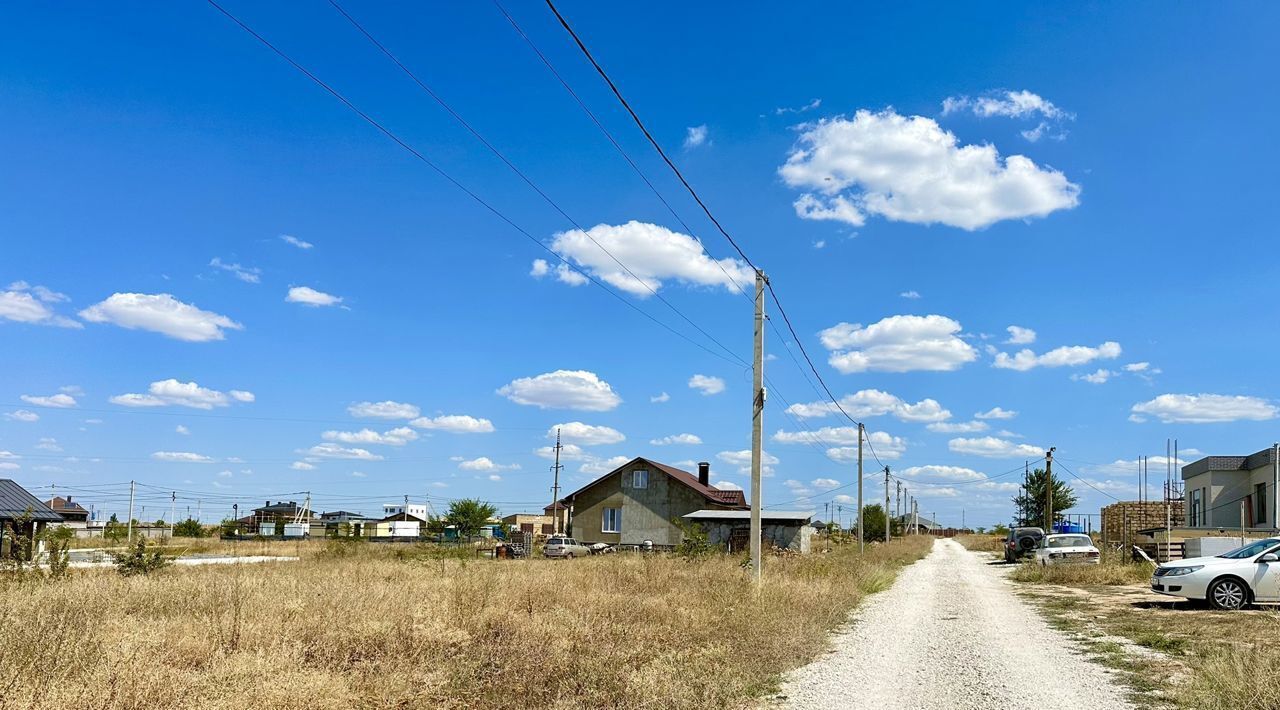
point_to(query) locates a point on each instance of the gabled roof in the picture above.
(58, 503)
(15, 501)
(402, 518)
(736, 499)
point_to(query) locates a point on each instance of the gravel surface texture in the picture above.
(950, 633)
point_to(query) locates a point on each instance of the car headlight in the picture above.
(1179, 571)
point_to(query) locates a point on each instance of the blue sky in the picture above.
(1094, 175)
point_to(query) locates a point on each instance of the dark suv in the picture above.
(1022, 542)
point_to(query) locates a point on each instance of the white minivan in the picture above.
(565, 547)
(1067, 548)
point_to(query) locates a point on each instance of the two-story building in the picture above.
(1222, 489)
(642, 500)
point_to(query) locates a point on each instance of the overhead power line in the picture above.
(449, 178)
(702, 204)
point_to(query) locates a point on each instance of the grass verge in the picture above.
(375, 627)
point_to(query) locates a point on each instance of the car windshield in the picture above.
(1069, 541)
(1250, 550)
(555, 541)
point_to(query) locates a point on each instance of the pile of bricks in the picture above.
(1121, 521)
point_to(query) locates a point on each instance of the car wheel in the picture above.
(569, 556)
(1228, 594)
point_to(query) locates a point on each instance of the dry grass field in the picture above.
(367, 626)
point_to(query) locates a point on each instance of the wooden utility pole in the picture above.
(1048, 490)
(861, 542)
(886, 504)
(757, 423)
(555, 488)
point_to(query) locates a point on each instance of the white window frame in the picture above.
(636, 476)
(616, 518)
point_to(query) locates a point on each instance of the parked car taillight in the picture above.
(1095, 553)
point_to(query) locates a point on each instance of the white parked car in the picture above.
(1245, 575)
(1066, 548)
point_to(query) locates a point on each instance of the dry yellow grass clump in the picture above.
(377, 628)
(1114, 570)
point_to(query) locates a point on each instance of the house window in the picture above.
(612, 520)
(1196, 502)
(1259, 504)
(640, 479)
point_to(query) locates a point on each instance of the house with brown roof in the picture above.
(73, 514)
(641, 500)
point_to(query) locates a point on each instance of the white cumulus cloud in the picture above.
(290, 239)
(24, 303)
(181, 457)
(22, 415)
(395, 437)
(563, 389)
(597, 466)
(909, 169)
(333, 451)
(1065, 356)
(993, 447)
(383, 410)
(455, 424)
(1205, 408)
(171, 392)
(695, 136)
(996, 413)
(54, 401)
(652, 253)
(160, 313)
(959, 427)
(1097, 377)
(898, 344)
(586, 434)
(302, 466)
(486, 465)
(308, 296)
(706, 384)
(886, 447)
(677, 439)
(1010, 104)
(1020, 336)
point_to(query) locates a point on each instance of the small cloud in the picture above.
(783, 110)
(706, 384)
(182, 430)
(301, 466)
(658, 399)
(56, 401)
(22, 415)
(695, 136)
(1100, 376)
(246, 274)
(685, 439)
(1020, 336)
(180, 457)
(910, 294)
(290, 239)
(308, 296)
(820, 244)
(358, 474)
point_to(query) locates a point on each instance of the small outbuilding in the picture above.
(788, 530)
(22, 518)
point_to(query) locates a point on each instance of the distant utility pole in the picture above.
(173, 510)
(886, 504)
(131, 486)
(861, 543)
(555, 487)
(199, 517)
(757, 424)
(1048, 490)
(897, 500)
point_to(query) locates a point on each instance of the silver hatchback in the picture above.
(565, 547)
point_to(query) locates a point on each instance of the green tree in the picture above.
(468, 515)
(189, 528)
(115, 530)
(1030, 503)
(873, 519)
(1000, 529)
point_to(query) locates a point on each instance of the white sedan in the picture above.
(1245, 575)
(1065, 548)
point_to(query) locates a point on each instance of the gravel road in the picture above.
(950, 633)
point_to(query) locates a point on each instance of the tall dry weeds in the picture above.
(365, 629)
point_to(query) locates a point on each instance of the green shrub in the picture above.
(137, 560)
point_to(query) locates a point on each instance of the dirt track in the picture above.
(950, 633)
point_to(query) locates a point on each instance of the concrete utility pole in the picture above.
(897, 500)
(555, 488)
(131, 485)
(915, 516)
(886, 504)
(173, 510)
(861, 543)
(1048, 490)
(757, 423)
(199, 517)
(1275, 484)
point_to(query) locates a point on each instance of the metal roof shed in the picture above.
(15, 502)
(795, 516)
(785, 529)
